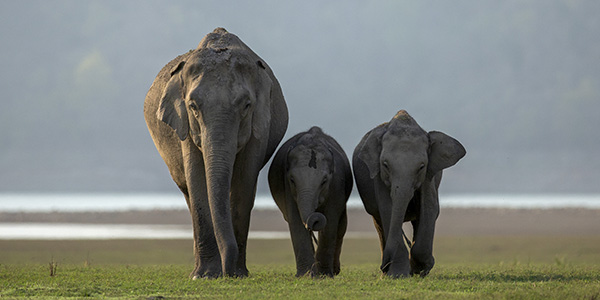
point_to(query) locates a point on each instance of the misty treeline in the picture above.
(517, 82)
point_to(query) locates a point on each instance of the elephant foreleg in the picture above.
(243, 193)
(421, 253)
(301, 240)
(241, 224)
(397, 265)
(327, 247)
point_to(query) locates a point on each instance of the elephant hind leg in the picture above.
(342, 226)
(380, 233)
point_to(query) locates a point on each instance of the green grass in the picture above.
(473, 267)
(278, 282)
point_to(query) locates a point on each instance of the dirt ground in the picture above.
(451, 222)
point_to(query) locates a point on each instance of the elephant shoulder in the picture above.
(163, 76)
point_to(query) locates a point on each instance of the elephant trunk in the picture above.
(394, 246)
(307, 201)
(219, 152)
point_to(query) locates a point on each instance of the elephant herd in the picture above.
(217, 114)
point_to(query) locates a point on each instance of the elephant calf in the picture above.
(398, 168)
(310, 179)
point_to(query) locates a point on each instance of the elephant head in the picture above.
(309, 169)
(402, 160)
(219, 95)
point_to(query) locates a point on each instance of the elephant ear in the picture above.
(341, 164)
(261, 119)
(444, 152)
(171, 109)
(370, 150)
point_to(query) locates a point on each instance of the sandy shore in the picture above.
(452, 221)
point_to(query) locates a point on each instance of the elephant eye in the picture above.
(386, 165)
(324, 181)
(246, 108)
(421, 167)
(193, 106)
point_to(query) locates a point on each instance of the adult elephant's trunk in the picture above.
(394, 245)
(219, 147)
(307, 200)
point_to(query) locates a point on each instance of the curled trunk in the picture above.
(307, 201)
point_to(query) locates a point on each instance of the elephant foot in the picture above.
(207, 271)
(241, 272)
(421, 273)
(302, 274)
(396, 270)
(317, 274)
(328, 274)
(336, 270)
(421, 267)
(204, 275)
(396, 275)
(305, 269)
(326, 271)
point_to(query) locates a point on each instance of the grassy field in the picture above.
(467, 267)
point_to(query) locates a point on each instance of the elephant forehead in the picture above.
(306, 176)
(405, 143)
(225, 87)
(230, 57)
(228, 73)
(309, 157)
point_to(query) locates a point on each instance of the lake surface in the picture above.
(124, 202)
(69, 231)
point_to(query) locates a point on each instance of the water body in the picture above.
(124, 202)
(70, 231)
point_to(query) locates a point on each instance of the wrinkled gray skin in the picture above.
(398, 168)
(216, 115)
(310, 179)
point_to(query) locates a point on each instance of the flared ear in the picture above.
(261, 118)
(171, 109)
(370, 151)
(444, 152)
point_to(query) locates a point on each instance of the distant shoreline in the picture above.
(115, 202)
(452, 221)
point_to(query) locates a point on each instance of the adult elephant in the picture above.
(216, 115)
(398, 168)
